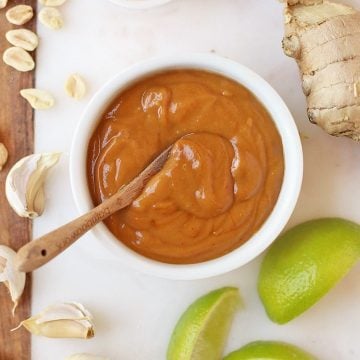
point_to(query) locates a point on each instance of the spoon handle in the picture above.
(38, 252)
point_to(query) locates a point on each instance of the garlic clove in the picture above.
(25, 181)
(63, 320)
(13, 279)
(63, 329)
(63, 311)
(39, 201)
(85, 357)
(3, 262)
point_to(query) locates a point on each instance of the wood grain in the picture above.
(16, 132)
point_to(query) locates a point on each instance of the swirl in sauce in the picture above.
(222, 178)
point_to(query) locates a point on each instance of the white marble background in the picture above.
(135, 314)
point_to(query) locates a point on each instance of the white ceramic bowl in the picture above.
(140, 4)
(289, 191)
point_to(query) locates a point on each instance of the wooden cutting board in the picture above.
(16, 132)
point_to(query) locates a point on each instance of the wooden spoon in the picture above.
(38, 252)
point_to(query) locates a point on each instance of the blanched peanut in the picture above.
(3, 3)
(75, 87)
(51, 18)
(23, 38)
(19, 14)
(19, 59)
(38, 99)
(52, 2)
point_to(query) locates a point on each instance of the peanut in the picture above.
(19, 59)
(51, 18)
(19, 14)
(38, 99)
(75, 87)
(52, 2)
(23, 38)
(3, 3)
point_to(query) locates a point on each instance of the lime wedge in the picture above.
(269, 350)
(304, 264)
(202, 330)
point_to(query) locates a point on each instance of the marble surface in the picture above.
(134, 313)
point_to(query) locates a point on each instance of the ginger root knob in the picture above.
(324, 38)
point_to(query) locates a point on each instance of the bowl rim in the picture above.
(293, 158)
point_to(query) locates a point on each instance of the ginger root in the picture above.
(324, 38)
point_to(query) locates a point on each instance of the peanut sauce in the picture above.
(222, 178)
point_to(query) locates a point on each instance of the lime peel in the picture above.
(202, 330)
(304, 263)
(269, 350)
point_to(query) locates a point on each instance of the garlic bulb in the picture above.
(63, 320)
(24, 184)
(13, 279)
(85, 357)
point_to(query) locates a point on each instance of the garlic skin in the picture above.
(63, 320)
(24, 184)
(14, 280)
(85, 357)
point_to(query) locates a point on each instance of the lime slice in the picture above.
(304, 264)
(202, 330)
(269, 350)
